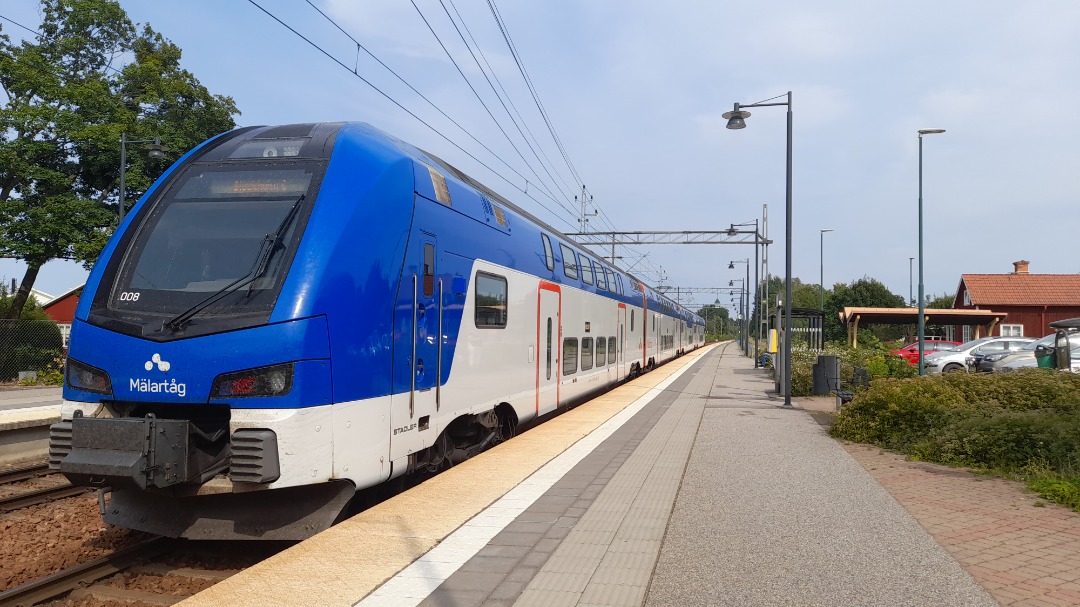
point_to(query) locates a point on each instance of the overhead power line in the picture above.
(404, 109)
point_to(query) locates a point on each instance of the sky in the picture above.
(635, 91)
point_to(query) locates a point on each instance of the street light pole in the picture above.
(821, 286)
(922, 297)
(736, 120)
(746, 307)
(154, 150)
(910, 297)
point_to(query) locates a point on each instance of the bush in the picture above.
(897, 413)
(1024, 424)
(871, 355)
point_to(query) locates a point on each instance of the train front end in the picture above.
(198, 389)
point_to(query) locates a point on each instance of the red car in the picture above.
(910, 352)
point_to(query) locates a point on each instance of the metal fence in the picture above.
(30, 347)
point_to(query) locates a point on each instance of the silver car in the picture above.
(963, 356)
(997, 362)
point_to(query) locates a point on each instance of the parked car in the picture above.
(1024, 356)
(910, 352)
(957, 359)
(1006, 345)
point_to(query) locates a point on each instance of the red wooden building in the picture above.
(1031, 301)
(61, 310)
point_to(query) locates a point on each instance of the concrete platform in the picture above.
(25, 417)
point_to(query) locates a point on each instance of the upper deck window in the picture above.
(549, 256)
(569, 261)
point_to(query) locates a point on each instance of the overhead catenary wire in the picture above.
(503, 98)
(361, 47)
(528, 81)
(482, 103)
(407, 111)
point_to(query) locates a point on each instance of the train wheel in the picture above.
(508, 422)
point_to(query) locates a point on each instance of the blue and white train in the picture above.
(293, 313)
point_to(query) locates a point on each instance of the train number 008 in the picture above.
(129, 296)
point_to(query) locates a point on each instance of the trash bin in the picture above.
(826, 374)
(1044, 356)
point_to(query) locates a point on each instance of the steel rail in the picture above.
(39, 496)
(84, 574)
(25, 473)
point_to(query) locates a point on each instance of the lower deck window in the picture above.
(611, 349)
(586, 353)
(569, 352)
(601, 351)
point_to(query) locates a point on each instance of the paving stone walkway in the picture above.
(1023, 550)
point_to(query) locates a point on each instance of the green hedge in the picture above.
(1024, 424)
(873, 356)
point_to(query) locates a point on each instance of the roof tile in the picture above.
(1023, 289)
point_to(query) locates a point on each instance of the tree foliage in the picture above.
(88, 75)
(863, 293)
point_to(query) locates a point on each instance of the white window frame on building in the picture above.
(1012, 330)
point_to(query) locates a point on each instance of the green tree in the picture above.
(69, 96)
(716, 319)
(863, 293)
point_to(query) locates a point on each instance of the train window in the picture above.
(569, 261)
(618, 278)
(601, 277)
(491, 297)
(549, 256)
(601, 351)
(549, 332)
(611, 348)
(569, 356)
(586, 353)
(631, 320)
(429, 269)
(587, 271)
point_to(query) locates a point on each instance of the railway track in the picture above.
(40, 496)
(85, 574)
(37, 496)
(23, 474)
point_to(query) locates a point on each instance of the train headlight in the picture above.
(275, 380)
(81, 376)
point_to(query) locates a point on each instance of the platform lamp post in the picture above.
(154, 150)
(922, 302)
(746, 286)
(743, 331)
(910, 297)
(737, 120)
(821, 286)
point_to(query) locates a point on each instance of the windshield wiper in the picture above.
(271, 243)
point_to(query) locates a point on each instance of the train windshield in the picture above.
(220, 241)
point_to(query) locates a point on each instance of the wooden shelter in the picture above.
(983, 320)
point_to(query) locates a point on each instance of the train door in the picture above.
(420, 319)
(620, 352)
(548, 346)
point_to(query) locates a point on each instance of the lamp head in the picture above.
(823, 230)
(736, 119)
(930, 131)
(731, 265)
(731, 283)
(156, 150)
